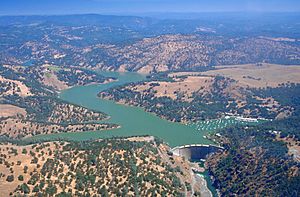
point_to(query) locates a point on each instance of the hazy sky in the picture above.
(20, 7)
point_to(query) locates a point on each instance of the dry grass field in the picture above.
(187, 85)
(259, 76)
(50, 79)
(17, 163)
(252, 75)
(7, 110)
(248, 75)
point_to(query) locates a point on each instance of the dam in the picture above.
(195, 151)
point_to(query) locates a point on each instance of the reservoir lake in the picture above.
(133, 121)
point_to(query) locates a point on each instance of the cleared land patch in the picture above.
(259, 75)
(7, 110)
(50, 79)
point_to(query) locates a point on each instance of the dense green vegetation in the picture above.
(256, 162)
(287, 95)
(75, 77)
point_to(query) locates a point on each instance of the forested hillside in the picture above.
(30, 105)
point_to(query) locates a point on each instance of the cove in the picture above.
(133, 120)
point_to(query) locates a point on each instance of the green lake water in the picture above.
(133, 120)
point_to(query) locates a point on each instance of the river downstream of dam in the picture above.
(133, 121)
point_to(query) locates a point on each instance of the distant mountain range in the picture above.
(148, 44)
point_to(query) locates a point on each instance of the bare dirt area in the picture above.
(141, 139)
(7, 110)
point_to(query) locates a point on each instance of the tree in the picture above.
(25, 189)
(20, 178)
(36, 189)
(10, 178)
(24, 151)
(104, 192)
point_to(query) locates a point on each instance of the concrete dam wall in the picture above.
(195, 151)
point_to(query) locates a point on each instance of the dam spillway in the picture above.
(196, 151)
